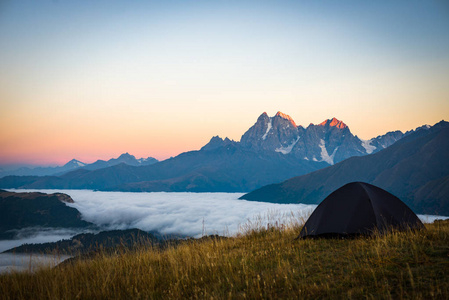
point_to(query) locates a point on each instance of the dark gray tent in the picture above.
(359, 208)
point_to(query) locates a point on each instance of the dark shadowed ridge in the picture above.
(22, 210)
(86, 242)
(415, 169)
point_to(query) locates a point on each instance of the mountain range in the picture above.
(76, 164)
(331, 141)
(272, 150)
(415, 169)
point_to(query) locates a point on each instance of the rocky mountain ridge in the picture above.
(330, 141)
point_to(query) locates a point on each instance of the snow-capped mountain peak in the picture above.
(74, 163)
(126, 156)
(217, 142)
(286, 117)
(270, 133)
(334, 122)
(331, 141)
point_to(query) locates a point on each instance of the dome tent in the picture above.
(359, 208)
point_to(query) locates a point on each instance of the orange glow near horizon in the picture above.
(37, 144)
(90, 81)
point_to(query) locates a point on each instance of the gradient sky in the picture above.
(93, 79)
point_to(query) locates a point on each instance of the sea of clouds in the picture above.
(38, 235)
(188, 214)
(185, 214)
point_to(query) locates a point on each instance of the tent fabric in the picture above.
(359, 208)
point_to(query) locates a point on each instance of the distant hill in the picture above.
(109, 240)
(42, 171)
(74, 164)
(21, 210)
(222, 169)
(86, 242)
(415, 169)
(125, 158)
(272, 150)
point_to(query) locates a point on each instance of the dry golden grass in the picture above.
(259, 263)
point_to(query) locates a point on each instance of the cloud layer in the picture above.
(191, 214)
(188, 214)
(37, 235)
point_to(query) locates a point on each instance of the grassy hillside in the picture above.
(257, 264)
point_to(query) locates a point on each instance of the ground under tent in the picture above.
(359, 208)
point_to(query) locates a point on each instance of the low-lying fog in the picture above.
(13, 262)
(187, 214)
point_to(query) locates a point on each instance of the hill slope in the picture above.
(21, 210)
(262, 264)
(87, 242)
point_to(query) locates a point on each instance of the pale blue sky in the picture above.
(156, 78)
